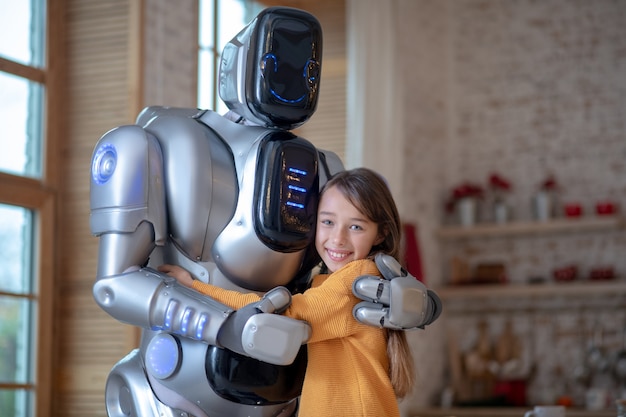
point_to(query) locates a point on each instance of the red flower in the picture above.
(467, 190)
(499, 183)
(549, 184)
(464, 190)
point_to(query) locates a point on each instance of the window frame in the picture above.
(250, 9)
(42, 196)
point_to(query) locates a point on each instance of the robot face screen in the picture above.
(286, 193)
(290, 79)
(286, 76)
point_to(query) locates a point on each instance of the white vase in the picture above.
(467, 211)
(543, 205)
(501, 212)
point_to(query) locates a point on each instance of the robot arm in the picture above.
(397, 301)
(165, 305)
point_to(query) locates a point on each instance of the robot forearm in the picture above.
(252, 331)
(164, 305)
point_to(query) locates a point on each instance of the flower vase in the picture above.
(501, 212)
(543, 205)
(467, 211)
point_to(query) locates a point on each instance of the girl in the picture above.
(353, 369)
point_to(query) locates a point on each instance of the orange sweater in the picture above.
(347, 373)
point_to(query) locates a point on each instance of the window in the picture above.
(17, 311)
(22, 31)
(220, 21)
(26, 211)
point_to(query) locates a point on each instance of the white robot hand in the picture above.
(396, 301)
(257, 332)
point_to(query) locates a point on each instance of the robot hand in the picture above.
(256, 331)
(397, 301)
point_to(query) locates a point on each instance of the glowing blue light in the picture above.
(270, 56)
(297, 205)
(297, 171)
(185, 322)
(169, 314)
(285, 100)
(296, 188)
(201, 323)
(267, 57)
(104, 163)
(162, 356)
(306, 72)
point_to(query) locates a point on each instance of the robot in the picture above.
(232, 198)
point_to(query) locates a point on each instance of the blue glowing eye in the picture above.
(266, 58)
(103, 163)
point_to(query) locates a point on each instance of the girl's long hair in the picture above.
(369, 193)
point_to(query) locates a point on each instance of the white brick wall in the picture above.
(526, 89)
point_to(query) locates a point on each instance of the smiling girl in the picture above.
(353, 369)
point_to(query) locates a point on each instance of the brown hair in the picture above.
(369, 193)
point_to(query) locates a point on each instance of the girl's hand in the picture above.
(181, 274)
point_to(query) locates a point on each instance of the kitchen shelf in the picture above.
(500, 412)
(521, 228)
(547, 290)
(502, 298)
(473, 302)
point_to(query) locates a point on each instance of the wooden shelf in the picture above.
(503, 298)
(561, 225)
(500, 412)
(548, 290)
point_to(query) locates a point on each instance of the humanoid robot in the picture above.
(233, 200)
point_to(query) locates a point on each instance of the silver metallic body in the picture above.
(180, 194)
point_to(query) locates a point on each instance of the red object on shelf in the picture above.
(606, 208)
(602, 273)
(573, 210)
(568, 273)
(513, 391)
(565, 401)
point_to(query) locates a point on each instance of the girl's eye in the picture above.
(356, 227)
(326, 222)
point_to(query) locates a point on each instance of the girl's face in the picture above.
(343, 233)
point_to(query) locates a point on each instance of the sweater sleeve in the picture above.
(232, 299)
(327, 306)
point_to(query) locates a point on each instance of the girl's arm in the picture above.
(233, 299)
(181, 274)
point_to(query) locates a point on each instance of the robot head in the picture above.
(270, 71)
